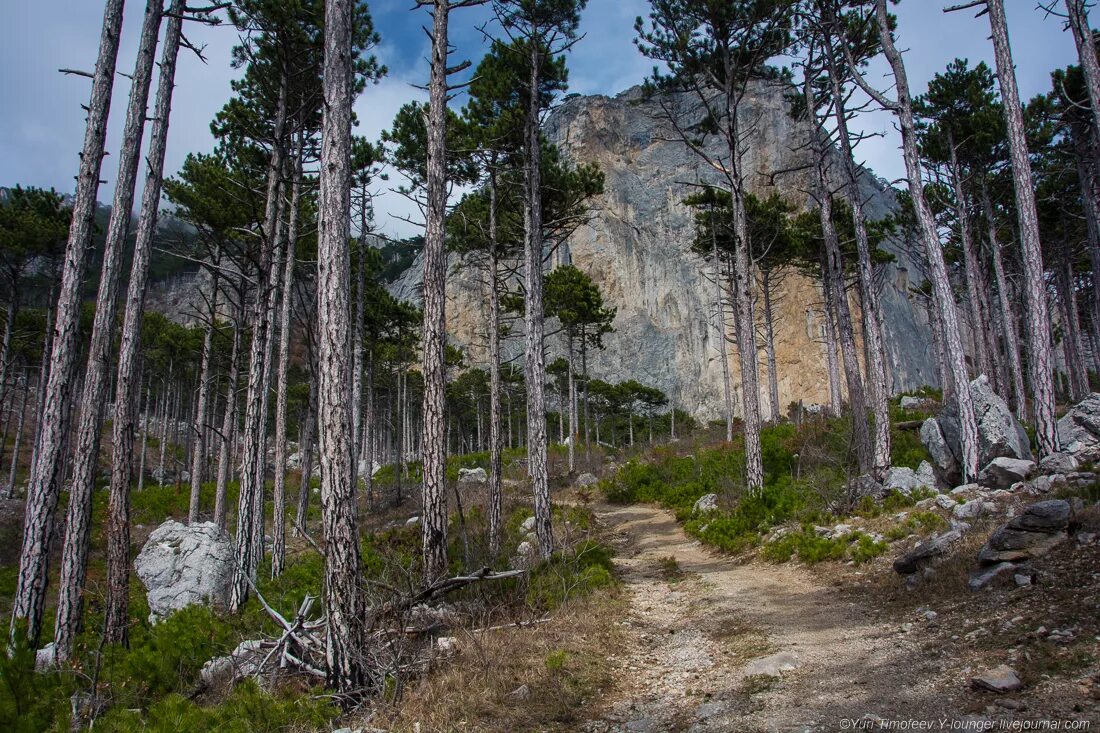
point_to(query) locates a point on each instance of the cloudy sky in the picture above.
(41, 122)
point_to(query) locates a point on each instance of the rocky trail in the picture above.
(718, 646)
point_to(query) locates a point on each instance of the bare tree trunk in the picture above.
(252, 462)
(74, 556)
(496, 492)
(1074, 346)
(746, 345)
(978, 318)
(720, 328)
(571, 393)
(369, 430)
(433, 520)
(342, 595)
(117, 614)
(878, 389)
(278, 512)
(166, 409)
(1038, 321)
(44, 488)
(1090, 187)
(14, 472)
(5, 343)
(535, 362)
(769, 346)
(229, 422)
(306, 446)
(832, 368)
(198, 455)
(1078, 21)
(944, 297)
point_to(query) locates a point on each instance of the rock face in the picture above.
(999, 433)
(182, 565)
(637, 248)
(925, 552)
(1003, 472)
(1079, 429)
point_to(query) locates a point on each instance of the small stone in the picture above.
(930, 615)
(1000, 679)
(705, 503)
(1022, 580)
(411, 521)
(945, 502)
(446, 645)
(773, 665)
(982, 578)
(520, 693)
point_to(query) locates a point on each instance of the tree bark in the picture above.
(306, 450)
(720, 328)
(278, 518)
(44, 488)
(944, 297)
(535, 361)
(252, 461)
(74, 555)
(1038, 321)
(832, 368)
(198, 452)
(433, 519)
(769, 346)
(878, 389)
(14, 472)
(229, 422)
(117, 615)
(496, 492)
(342, 594)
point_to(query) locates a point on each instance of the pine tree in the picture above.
(712, 52)
(44, 488)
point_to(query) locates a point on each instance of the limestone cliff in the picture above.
(636, 247)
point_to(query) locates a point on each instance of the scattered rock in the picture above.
(243, 661)
(585, 480)
(1002, 472)
(1034, 533)
(943, 460)
(981, 578)
(1058, 463)
(472, 475)
(906, 480)
(1000, 679)
(520, 693)
(926, 475)
(865, 485)
(526, 556)
(412, 521)
(773, 665)
(181, 565)
(926, 551)
(705, 503)
(528, 526)
(943, 501)
(909, 402)
(1079, 429)
(973, 510)
(446, 645)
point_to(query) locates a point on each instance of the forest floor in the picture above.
(712, 644)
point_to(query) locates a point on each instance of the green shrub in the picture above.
(567, 574)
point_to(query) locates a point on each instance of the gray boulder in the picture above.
(909, 402)
(925, 552)
(984, 576)
(865, 485)
(1003, 472)
(999, 679)
(946, 466)
(1035, 532)
(585, 480)
(999, 433)
(472, 475)
(1079, 429)
(705, 503)
(926, 475)
(182, 565)
(1062, 463)
(906, 480)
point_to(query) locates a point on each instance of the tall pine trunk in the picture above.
(342, 594)
(720, 328)
(769, 346)
(199, 428)
(74, 557)
(535, 361)
(116, 622)
(229, 422)
(496, 492)
(832, 367)
(433, 520)
(278, 512)
(44, 488)
(1038, 321)
(941, 284)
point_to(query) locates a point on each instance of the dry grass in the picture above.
(562, 664)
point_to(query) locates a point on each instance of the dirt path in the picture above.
(716, 646)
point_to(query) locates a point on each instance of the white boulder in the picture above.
(182, 565)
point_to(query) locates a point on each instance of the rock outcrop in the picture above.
(1040, 528)
(1079, 429)
(636, 246)
(1000, 434)
(181, 565)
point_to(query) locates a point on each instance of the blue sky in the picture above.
(41, 123)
